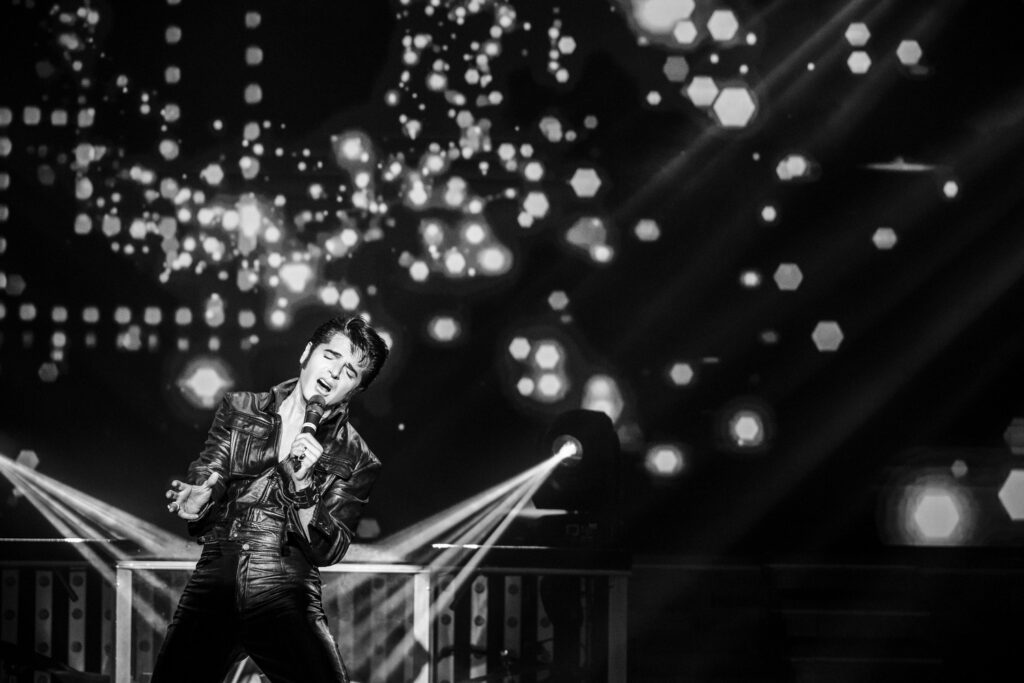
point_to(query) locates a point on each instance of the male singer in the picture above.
(276, 492)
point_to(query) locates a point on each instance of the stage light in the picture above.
(601, 394)
(859, 62)
(473, 234)
(494, 260)
(950, 189)
(884, 238)
(444, 329)
(558, 300)
(48, 372)
(549, 355)
(204, 380)
(567, 447)
(857, 34)
(660, 16)
(681, 374)
(519, 348)
(936, 516)
(590, 234)
(685, 32)
(702, 91)
(664, 461)
(750, 279)
(647, 230)
(935, 511)
(587, 451)
(533, 171)
(419, 271)
(213, 312)
(551, 128)
(746, 429)
(213, 174)
(28, 458)
(909, 52)
(827, 335)
(793, 167)
(1013, 436)
(585, 182)
(788, 276)
(536, 204)
(349, 299)
(723, 25)
(455, 263)
(297, 277)
(551, 387)
(1011, 495)
(734, 107)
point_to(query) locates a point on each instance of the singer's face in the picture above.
(333, 370)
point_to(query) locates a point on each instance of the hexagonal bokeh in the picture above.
(909, 53)
(676, 68)
(936, 516)
(660, 16)
(734, 107)
(1014, 436)
(647, 230)
(859, 62)
(681, 374)
(1011, 495)
(723, 25)
(746, 429)
(558, 300)
(585, 182)
(702, 91)
(685, 32)
(857, 34)
(664, 460)
(567, 45)
(788, 276)
(536, 204)
(519, 348)
(827, 335)
(884, 238)
(548, 355)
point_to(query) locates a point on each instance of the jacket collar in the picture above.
(331, 427)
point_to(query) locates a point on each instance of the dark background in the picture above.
(928, 370)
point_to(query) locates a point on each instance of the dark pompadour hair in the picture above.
(362, 336)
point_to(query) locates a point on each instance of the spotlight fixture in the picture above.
(585, 481)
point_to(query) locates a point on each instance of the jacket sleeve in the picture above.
(214, 457)
(337, 513)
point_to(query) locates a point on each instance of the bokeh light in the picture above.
(664, 460)
(204, 380)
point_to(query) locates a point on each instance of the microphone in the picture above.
(314, 411)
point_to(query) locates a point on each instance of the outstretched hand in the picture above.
(189, 499)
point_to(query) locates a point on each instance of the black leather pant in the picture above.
(246, 597)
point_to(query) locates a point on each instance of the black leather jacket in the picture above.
(253, 494)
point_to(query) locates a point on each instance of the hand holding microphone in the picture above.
(306, 450)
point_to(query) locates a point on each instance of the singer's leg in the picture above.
(284, 629)
(202, 641)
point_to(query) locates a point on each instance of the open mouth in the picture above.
(324, 386)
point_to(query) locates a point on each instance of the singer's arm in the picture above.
(214, 456)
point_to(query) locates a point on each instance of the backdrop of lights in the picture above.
(735, 229)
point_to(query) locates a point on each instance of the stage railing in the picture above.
(521, 624)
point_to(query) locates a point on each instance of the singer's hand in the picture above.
(189, 499)
(304, 453)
